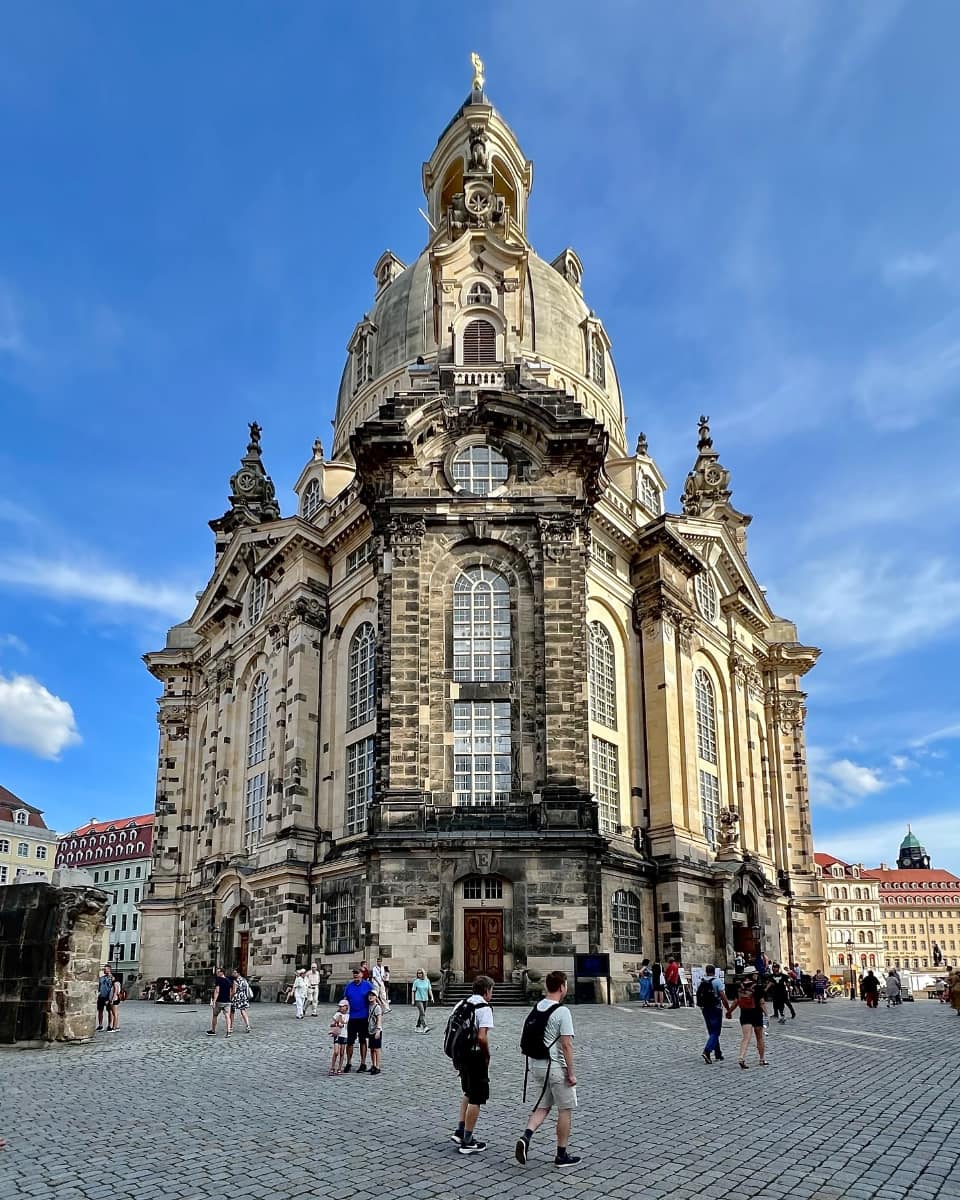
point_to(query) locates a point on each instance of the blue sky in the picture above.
(766, 198)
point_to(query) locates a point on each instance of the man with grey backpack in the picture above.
(547, 1043)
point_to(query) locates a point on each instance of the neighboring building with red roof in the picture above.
(853, 925)
(27, 846)
(118, 854)
(921, 910)
(917, 927)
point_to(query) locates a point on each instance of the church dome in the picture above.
(479, 269)
(911, 842)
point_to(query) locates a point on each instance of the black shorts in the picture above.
(751, 1016)
(102, 1003)
(475, 1079)
(357, 1029)
(376, 1043)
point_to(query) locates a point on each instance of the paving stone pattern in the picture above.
(159, 1109)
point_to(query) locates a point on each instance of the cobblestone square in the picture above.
(856, 1104)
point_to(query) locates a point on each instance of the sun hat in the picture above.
(343, 1004)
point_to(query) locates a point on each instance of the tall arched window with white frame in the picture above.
(650, 495)
(255, 792)
(602, 675)
(598, 360)
(481, 626)
(361, 710)
(257, 598)
(311, 500)
(361, 666)
(708, 758)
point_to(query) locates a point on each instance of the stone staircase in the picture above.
(504, 994)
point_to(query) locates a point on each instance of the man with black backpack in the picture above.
(466, 1043)
(712, 1002)
(547, 1042)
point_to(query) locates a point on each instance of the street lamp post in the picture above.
(853, 973)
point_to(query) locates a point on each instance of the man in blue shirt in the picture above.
(355, 994)
(713, 1004)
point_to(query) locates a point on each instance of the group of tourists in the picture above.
(232, 997)
(753, 991)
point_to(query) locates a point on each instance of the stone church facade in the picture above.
(483, 702)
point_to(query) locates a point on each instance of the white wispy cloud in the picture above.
(876, 604)
(10, 641)
(944, 734)
(912, 265)
(841, 783)
(902, 387)
(34, 719)
(95, 582)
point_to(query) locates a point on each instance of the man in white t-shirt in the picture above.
(553, 1076)
(474, 1069)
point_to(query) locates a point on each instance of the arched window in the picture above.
(626, 923)
(598, 360)
(362, 361)
(709, 778)
(257, 723)
(361, 695)
(479, 294)
(480, 470)
(846, 914)
(479, 343)
(870, 936)
(706, 593)
(844, 893)
(255, 793)
(481, 626)
(836, 893)
(602, 675)
(341, 924)
(310, 501)
(859, 912)
(706, 716)
(836, 913)
(256, 598)
(650, 496)
(861, 938)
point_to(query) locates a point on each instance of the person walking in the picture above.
(750, 1004)
(242, 997)
(551, 1027)
(893, 989)
(380, 979)
(871, 989)
(313, 988)
(300, 988)
(221, 1002)
(375, 1031)
(712, 1001)
(820, 986)
(355, 994)
(104, 994)
(470, 1051)
(422, 995)
(779, 995)
(671, 973)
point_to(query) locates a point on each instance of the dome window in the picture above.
(479, 344)
(598, 361)
(480, 470)
(706, 597)
(311, 499)
(650, 494)
(479, 294)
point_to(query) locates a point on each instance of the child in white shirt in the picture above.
(338, 1032)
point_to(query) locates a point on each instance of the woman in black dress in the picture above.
(750, 1007)
(659, 992)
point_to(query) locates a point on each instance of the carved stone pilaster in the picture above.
(406, 536)
(556, 537)
(787, 711)
(174, 721)
(308, 611)
(649, 612)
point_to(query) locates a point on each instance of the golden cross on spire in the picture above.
(477, 71)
